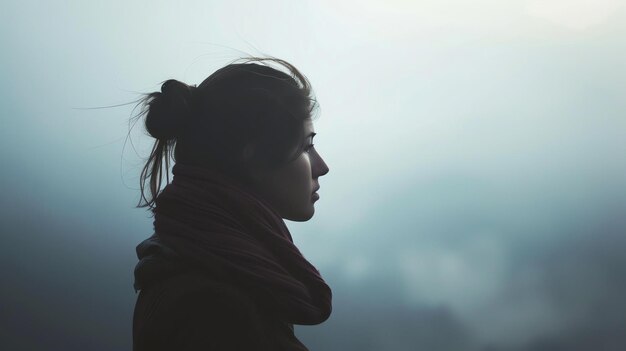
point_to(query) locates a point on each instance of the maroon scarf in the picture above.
(213, 222)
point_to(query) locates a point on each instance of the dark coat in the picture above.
(190, 311)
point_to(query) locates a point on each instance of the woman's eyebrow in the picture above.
(311, 135)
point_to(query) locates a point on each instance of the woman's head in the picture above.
(248, 120)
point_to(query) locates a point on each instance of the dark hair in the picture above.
(209, 125)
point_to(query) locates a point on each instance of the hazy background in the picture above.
(476, 198)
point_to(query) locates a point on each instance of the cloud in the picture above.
(574, 14)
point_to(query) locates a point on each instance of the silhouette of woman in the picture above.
(221, 271)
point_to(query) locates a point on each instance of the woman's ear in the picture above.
(248, 162)
(250, 174)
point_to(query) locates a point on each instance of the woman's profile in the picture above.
(221, 271)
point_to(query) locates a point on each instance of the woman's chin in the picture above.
(301, 216)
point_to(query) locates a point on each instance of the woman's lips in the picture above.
(315, 196)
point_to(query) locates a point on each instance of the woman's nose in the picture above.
(321, 167)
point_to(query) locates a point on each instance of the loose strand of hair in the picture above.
(153, 171)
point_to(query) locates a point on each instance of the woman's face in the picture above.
(291, 189)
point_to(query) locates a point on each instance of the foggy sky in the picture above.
(476, 198)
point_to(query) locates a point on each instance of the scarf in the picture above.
(210, 221)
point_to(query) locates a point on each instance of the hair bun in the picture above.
(170, 110)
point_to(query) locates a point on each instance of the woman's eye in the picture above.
(308, 147)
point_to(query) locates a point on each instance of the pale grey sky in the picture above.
(477, 187)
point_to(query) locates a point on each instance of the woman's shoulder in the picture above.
(190, 310)
(192, 283)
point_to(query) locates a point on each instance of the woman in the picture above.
(221, 271)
